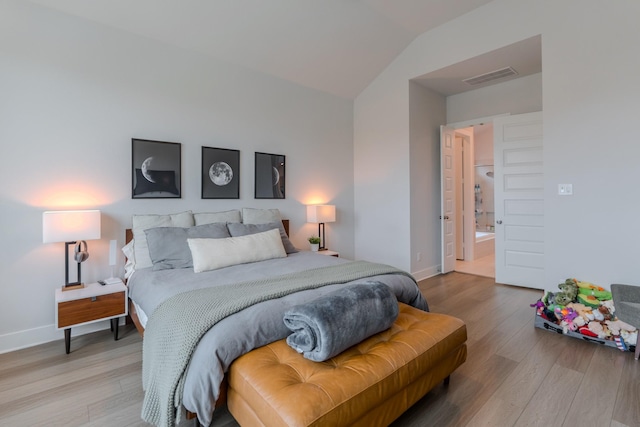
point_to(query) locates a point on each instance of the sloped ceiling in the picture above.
(336, 46)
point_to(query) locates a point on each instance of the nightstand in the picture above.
(329, 253)
(90, 304)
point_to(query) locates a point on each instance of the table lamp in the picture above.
(72, 228)
(321, 214)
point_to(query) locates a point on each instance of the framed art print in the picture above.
(269, 176)
(220, 173)
(155, 172)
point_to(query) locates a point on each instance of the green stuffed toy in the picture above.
(568, 292)
(587, 288)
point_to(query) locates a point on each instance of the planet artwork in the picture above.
(275, 176)
(146, 169)
(220, 173)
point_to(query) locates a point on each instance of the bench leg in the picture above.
(446, 380)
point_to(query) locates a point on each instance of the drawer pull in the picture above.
(94, 299)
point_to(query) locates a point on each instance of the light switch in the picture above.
(565, 189)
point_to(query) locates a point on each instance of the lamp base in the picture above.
(72, 286)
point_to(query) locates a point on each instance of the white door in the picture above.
(519, 200)
(447, 199)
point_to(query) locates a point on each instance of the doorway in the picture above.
(518, 211)
(474, 219)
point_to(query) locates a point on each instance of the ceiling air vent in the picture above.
(492, 75)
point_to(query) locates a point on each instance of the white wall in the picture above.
(426, 113)
(483, 143)
(381, 173)
(590, 66)
(517, 96)
(74, 93)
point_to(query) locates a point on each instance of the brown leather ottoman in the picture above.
(369, 384)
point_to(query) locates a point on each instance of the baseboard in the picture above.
(426, 273)
(44, 334)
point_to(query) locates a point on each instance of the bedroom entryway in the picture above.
(467, 198)
(509, 225)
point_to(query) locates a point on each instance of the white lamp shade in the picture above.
(321, 213)
(69, 226)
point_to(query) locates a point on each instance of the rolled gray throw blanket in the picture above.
(328, 325)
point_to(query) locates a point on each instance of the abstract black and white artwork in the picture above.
(155, 172)
(269, 176)
(220, 173)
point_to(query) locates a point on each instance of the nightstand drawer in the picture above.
(89, 309)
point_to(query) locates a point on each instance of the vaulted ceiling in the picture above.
(336, 46)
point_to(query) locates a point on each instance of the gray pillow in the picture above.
(237, 229)
(168, 247)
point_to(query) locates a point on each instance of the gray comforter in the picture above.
(227, 340)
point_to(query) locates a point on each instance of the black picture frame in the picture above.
(220, 173)
(269, 176)
(155, 169)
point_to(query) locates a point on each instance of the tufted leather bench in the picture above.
(369, 384)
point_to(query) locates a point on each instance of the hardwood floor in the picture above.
(485, 266)
(515, 374)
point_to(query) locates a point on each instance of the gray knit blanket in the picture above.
(177, 325)
(326, 326)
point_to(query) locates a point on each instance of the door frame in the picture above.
(469, 232)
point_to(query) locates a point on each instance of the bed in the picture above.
(202, 384)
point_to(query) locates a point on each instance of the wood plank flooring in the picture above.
(485, 266)
(515, 374)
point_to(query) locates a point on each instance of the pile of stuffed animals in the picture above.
(587, 309)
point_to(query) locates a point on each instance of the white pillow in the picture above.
(260, 216)
(130, 263)
(144, 222)
(211, 254)
(213, 217)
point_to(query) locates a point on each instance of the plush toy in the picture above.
(605, 312)
(609, 304)
(600, 329)
(549, 301)
(586, 313)
(579, 321)
(588, 300)
(568, 292)
(617, 326)
(587, 288)
(566, 314)
(549, 298)
(598, 315)
(584, 330)
(597, 328)
(540, 309)
(630, 338)
(539, 305)
(622, 346)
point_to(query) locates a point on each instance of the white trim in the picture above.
(473, 122)
(427, 273)
(44, 334)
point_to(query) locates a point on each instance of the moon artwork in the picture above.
(146, 169)
(269, 176)
(155, 169)
(220, 173)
